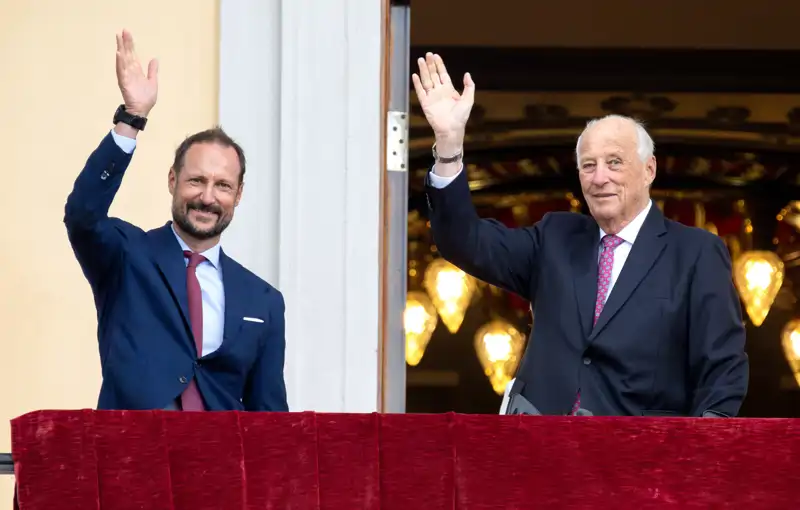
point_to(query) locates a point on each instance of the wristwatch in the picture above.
(451, 159)
(134, 121)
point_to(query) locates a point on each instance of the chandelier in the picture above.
(758, 276)
(419, 321)
(451, 290)
(499, 348)
(790, 338)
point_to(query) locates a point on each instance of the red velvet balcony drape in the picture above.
(158, 460)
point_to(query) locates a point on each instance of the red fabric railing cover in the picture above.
(161, 460)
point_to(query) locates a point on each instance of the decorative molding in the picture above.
(639, 106)
(621, 69)
(745, 122)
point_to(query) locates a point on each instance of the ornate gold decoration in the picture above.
(639, 105)
(499, 348)
(419, 321)
(791, 214)
(790, 338)
(758, 276)
(451, 291)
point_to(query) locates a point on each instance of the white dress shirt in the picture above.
(621, 252)
(209, 274)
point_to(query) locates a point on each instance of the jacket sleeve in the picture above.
(718, 363)
(484, 248)
(96, 239)
(265, 389)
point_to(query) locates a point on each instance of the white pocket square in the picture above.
(253, 319)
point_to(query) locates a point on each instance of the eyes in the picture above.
(612, 164)
(201, 181)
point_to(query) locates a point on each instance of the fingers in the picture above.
(430, 61)
(127, 39)
(152, 71)
(441, 70)
(420, 90)
(424, 75)
(126, 52)
(432, 71)
(433, 74)
(469, 89)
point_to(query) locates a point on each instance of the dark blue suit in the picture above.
(138, 280)
(670, 339)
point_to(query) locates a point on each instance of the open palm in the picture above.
(445, 109)
(139, 92)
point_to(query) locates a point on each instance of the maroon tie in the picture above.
(604, 268)
(191, 399)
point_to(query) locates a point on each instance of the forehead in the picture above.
(606, 137)
(212, 158)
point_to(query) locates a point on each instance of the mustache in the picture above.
(200, 206)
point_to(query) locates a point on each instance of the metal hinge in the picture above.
(397, 141)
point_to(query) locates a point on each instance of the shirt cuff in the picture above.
(439, 182)
(123, 142)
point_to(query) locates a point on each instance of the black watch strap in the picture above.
(134, 121)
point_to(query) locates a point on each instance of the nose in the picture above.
(600, 175)
(208, 195)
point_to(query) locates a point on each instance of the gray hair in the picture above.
(645, 146)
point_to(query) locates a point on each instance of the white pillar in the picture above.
(300, 87)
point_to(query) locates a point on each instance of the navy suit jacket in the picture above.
(670, 339)
(138, 280)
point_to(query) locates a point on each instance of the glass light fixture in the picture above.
(790, 338)
(758, 276)
(499, 348)
(419, 321)
(451, 290)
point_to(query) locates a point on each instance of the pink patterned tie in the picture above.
(604, 268)
(191, 400)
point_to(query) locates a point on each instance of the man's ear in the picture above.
(172, 180)
(650, 169)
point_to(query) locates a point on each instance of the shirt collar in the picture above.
(631, 230)
(211, 254)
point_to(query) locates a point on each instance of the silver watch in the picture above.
(452, 159)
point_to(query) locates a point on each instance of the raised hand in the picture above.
(445, 109)
(139, 92)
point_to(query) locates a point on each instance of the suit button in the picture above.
(183, 380)
(587, 361)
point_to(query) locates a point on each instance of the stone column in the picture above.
(300, 86)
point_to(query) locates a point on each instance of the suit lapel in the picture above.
(234, 282)
(648, 247)
(169, 258)
(584, 267)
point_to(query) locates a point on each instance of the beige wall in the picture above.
(57, 95)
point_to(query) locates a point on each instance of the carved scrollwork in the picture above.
(639, 106)
(728, 115)
(546, 113)
(793, 116)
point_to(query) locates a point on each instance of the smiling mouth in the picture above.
(604, 195)
(204, 214)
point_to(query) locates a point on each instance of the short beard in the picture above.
(180, 215)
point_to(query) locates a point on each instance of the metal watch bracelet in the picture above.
(451, 159)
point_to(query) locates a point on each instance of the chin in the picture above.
(604, 211)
